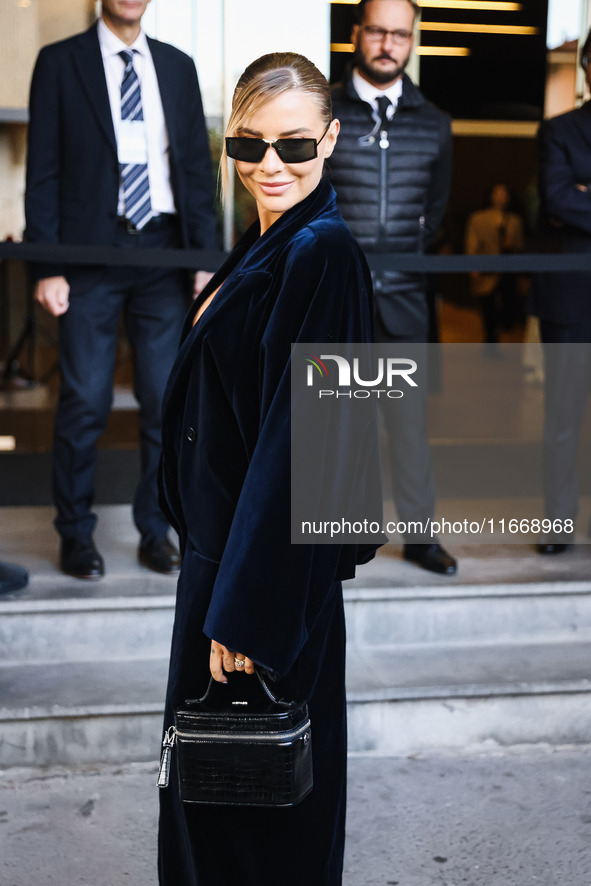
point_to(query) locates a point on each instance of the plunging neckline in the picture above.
(201, 310)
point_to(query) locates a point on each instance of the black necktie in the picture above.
(383, 105)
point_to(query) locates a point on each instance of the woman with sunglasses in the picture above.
(247, 597)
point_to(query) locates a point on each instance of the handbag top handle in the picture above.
(240, 688)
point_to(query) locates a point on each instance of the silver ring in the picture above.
(238, 662)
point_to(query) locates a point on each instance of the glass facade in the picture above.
(565, 20)
(224, 36)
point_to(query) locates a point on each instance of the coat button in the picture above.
(191, 435)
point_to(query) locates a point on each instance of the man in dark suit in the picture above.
(564, 308)
(391, 169)
(118, 156)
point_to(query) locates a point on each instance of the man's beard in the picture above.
(379, 75)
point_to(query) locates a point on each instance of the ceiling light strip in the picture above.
(483, 5)
(457, 51)
(420, 50)
(449, 27)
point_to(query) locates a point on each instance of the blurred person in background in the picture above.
(495, 230)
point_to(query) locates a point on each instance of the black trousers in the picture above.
(567, 359)
(405, 419)
(153, 302)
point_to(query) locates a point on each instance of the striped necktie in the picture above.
(134, 176)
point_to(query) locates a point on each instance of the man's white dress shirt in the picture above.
(370, 94)
(156, 134)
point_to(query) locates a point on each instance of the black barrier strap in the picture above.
(61, 253)
(527, 263)
(210, 259)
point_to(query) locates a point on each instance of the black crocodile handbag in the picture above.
(240, 746)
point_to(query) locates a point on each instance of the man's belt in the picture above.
(157, 223)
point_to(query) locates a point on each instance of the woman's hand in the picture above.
(222, 659)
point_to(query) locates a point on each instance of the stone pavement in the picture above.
(511, 818)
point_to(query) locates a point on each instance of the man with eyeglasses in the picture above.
(391, 170)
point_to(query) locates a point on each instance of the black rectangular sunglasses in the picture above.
(289, 150)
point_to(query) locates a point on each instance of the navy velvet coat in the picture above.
(226, 485)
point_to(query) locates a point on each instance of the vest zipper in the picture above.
(172, 734)
(290, 735)
(421, 234)
(382, 224)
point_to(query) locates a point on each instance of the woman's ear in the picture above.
(331, 137)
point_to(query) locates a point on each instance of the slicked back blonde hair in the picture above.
(264, 79)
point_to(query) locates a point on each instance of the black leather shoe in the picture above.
(12, 578)
(160, 555)
(432, 557)
(80, 558)
(552, 548)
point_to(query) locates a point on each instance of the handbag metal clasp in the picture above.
(167, 746)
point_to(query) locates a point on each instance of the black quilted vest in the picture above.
(391, 191)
